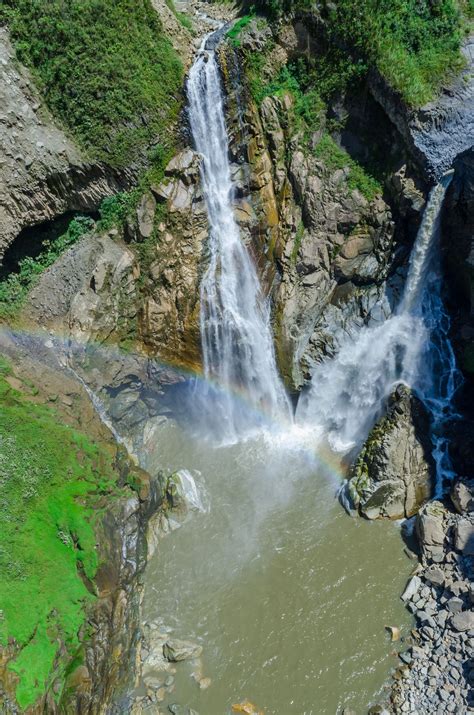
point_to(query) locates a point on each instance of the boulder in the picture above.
(175, 650)
(463, 621)
(411, 589)
(462, 495)
(434, 575)
(392, 476)
(430, 528)
(464, 537)
(146, 214)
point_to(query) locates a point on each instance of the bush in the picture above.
(414, 43)
(106, 69)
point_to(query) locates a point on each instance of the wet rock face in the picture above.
(458, 236)
(393, 474)
(323, 250)
(170, 312)
(42, 173)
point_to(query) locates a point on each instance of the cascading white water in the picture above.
(347, 393)
(236, 337)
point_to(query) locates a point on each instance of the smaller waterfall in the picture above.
(237, 343)
(348, 392)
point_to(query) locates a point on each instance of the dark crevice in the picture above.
(32, 239)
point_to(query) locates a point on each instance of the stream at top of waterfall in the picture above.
(288, 596)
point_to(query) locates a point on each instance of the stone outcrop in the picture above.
(138, 284)
(170, 311)
(90, 292)
(393, 474)
(42, 173)
(323, 249)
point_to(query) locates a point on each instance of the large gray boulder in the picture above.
(392, 476)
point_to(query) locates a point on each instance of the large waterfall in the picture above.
(242, 389)
(347, 393)
(242, 386)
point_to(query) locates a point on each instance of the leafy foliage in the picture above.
(336, 158)
(14, 288)
(105, 68)
(414, 43)
(49, 477)
(236, 29)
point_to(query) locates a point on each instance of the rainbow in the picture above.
(55, 349)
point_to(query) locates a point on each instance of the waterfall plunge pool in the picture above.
(288, 596)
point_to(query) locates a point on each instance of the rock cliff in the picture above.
(393, 474)
(42, 174)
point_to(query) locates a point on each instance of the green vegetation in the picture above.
(309, 115)
(14, 288)
(181, 16)
(414, 43)
(106, 69)
(298, 238)
(50, 477)
(115, 209)
(336, 158)
(236, 29)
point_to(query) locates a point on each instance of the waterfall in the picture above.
(347, 393)
(237, 343)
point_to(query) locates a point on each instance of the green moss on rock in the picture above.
(51, 477)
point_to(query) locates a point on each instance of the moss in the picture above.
(51, 477)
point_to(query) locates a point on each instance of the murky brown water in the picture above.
(288, 595)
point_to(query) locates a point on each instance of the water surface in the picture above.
(287, 594)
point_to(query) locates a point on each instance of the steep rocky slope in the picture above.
(43, 174)
(97, 671)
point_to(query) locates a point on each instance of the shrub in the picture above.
(105, 67)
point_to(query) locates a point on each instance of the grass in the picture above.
(234, 32)
(105, 68)
(415, 44)
(309, 110)
(49, 477)
(14, 288)
(181, 16)
(336, 158)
